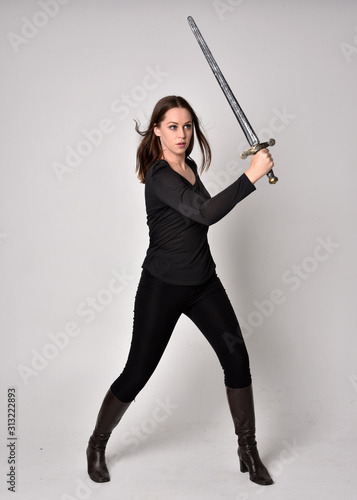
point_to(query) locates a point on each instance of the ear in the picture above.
(157, 131)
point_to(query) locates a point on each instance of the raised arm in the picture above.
(173, 191)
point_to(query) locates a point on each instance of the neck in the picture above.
(176, 160)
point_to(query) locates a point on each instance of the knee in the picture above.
(237, 379)
(125, 391)
(128, 385)
(236, 368)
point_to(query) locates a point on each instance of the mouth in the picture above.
(181, 144)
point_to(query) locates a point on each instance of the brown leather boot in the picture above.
(109, 416)
(242, 409)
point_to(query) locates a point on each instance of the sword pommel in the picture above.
(272, 178)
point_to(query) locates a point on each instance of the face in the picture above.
(175, 132)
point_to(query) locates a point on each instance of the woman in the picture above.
(179, 276)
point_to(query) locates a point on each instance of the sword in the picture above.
(252, 138)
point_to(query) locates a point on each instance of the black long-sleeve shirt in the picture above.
(178, 215)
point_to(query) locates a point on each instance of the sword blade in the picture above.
(237, 110)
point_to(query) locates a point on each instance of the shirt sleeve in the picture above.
(173, 190)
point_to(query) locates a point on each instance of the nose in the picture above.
(183, 133)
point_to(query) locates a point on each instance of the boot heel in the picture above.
(243, 467)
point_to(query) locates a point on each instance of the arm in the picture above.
(174, 192)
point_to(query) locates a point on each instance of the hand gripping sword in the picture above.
(251, 136)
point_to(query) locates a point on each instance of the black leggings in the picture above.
(158, 306)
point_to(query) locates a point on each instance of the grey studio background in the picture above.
(73, 236)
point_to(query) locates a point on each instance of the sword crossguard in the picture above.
(254, 149)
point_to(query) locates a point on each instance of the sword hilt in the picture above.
(254, 149)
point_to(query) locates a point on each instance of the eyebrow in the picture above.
(175, 123)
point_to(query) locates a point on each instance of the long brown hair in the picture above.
(150, 149)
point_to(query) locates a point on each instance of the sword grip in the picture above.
(254, 149)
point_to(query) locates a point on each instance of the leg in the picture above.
(157, 309)
(213, 314)
(158, 306)
(215, 317)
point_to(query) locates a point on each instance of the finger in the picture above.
(264, 151)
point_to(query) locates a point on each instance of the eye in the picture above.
(172, 127)
(188, 126)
